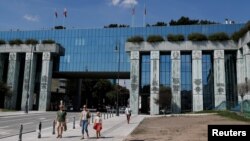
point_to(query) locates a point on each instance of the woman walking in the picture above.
(84, 121)
(61, 121)
(98, 125)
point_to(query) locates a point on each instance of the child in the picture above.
(98, 125)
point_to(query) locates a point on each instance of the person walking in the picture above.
(128, 113)
(61, 121)
(84, 121)
(98, 125)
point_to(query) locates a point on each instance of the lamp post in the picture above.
(28, 87)
(117, 49)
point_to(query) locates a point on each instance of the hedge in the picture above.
(48, 41)
(31, 41)
(237, 35)
(197, 37)
(175, 38)
(220, 36)
(135, 39)
(16, 42)
(155, 39)
(2, 42)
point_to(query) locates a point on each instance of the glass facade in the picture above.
(231, 79)
(207, 81)
(186, 82)
(94, 49)
(145, 82)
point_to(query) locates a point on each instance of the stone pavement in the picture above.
(14, 113)
(114, 129)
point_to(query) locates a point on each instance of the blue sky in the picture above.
(38, 14)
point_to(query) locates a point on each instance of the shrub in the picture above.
(48, 41)
(31, 41)
(135, 39)
(15, 42)
(237, 35)
(2, 42)
(155, 39)
(175, 38)
(197, 37)
(220, 36)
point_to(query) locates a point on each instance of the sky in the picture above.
(40, 14)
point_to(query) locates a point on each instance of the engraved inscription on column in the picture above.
(219, 54)
(196, 54)
(46, 56)
(175, 55)
(134, 55)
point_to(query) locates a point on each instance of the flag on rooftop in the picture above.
(56, 15)
(65, 12)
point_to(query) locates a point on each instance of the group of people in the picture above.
(84, 121)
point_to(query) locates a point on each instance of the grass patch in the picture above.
(6, 110)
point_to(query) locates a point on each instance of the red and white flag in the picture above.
(65, 12)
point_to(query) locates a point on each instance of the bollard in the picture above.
(104, 115)
(110, 114)
(74, 121)
(39, 130)
(107, 115)
(20, 133)
(54, 125)
(92, 118)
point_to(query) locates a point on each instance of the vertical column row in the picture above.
(240, 66)
(45, 85)
(175, 81)
(12, 80)
(29, 80)
(134, 77)
(246, 53)
(154, 82)
(219, 80)
(197, 80)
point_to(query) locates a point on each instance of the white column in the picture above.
(154, 82)
(240, 68)
(246, 53)
(29, 80)
(45, 86)
(134, 78)
(175, 81)
(197, 80)
(219, 80)
(12, 80)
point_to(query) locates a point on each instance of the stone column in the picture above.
(219, 80)
(45, 86)
(246, 53)
(1, 66)
(154, 81)
(175, 81)
(29, 80)
(12, 80)
(134, 78)
(197, 80)
(240, 68)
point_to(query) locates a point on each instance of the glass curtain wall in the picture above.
(207, 81)
(231, 79)
(145, 83)
(186, 82)
(165, 83)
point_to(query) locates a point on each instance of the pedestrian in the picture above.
(98, 125)
(128, 113)
(61, 121)
(84, 121)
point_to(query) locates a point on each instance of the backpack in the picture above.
(88, 115)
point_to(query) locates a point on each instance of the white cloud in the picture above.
(124, 3)
(31, 18)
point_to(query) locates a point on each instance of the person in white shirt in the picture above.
(128, 113)
(84, 120)
(98, 124)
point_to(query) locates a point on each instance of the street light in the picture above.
(28, 94)
(117, 49)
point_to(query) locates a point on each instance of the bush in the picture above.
(48, 41)
(15, 42)
(135, 39)
(31, 41)
(175, 38)
(155, 39)
(220, 36)
(2, 42)
(197, 37)
(237, 35)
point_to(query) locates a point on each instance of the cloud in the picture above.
(31, 18)
(124, 3)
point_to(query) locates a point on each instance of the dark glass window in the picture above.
(145, 83)
(231, 79)
(207, 81)
(186, 82)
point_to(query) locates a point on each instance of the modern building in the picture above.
(200, 75)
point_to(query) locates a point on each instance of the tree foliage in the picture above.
(116, 26)
(16, 42)
(220, 36)
(2, 42)
(186, 21)
(135, 39)
(175, 38)
(155, 39)
(160, 24)
(197, 37)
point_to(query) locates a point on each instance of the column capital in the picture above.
(246, 50)
(175, 55)
(196, 54)
(155, 55)
(135, 55)
(218, 54)
(29, 56)
(13, 56)
(46, 56)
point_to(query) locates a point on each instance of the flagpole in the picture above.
(144, 15)
(133, 15)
